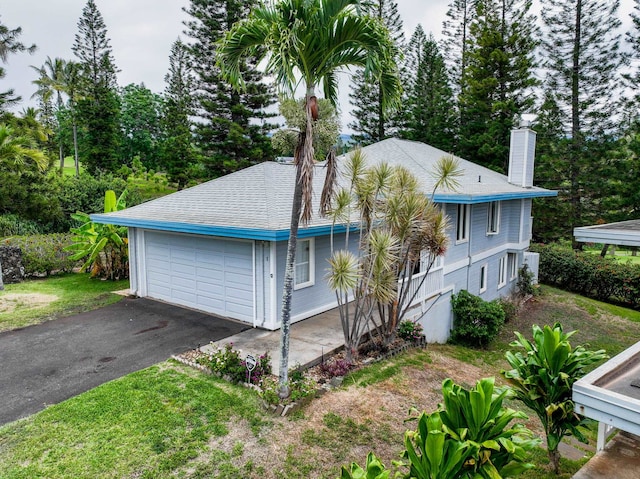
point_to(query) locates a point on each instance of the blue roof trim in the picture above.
(457, 198)
(224, 231)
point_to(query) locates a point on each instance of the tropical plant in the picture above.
(477, 415)
(543, 374)
(102, 246)
(309, 41)
(374, 469)
(469, 437)
(402, 233)
(16, 149)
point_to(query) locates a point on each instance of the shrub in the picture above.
(590, 275)
(524, 285)
(476, 322)
(510, 309)
(410, 330)
(14, 225)
(226, 361)
(300, 387)
(44, 254)
(335, 367)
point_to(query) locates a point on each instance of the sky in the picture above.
(141, 33)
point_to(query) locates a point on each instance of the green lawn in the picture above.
(144, 425)
(39, 300)
(622, 255)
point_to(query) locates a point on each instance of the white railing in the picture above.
(433, 283)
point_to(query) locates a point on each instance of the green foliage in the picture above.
(476, 322)
(374, 469)
(325, 129)
(43, 254)
(428, 115)
(510, 308)
(410, 330)
(543, 374)
(14, 225)
(471, 436)
(227, 362)
(524, 285)
(589, 274)
(102, 246)
(300, 387)
(231, 131)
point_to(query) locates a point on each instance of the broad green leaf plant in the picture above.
(471, 436)
(543, 374)
(103, 247)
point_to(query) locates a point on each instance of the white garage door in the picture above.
(212, 275)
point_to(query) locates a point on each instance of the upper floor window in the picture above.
(304, 268)
(493, 218)
(462, 223)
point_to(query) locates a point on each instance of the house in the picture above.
(221, 246)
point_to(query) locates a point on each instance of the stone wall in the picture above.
(11, 261)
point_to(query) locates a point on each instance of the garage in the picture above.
(201, 272)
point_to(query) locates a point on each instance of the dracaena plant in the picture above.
(543, 374)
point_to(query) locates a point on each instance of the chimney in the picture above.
(521, 155)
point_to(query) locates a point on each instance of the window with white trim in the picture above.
(493, 218)
(463, 220)
(483, 278)
(502, 271)
(304, 267)
(513, 266)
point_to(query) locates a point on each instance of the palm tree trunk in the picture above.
(302, 191)
(61, 154)
(75, 149)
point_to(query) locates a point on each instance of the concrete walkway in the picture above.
(310, 341)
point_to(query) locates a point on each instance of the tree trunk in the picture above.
(1, 282)
(304, 170)
(75, 149)
(61, 154)
(554, 459)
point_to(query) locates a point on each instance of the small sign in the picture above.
(250, 362)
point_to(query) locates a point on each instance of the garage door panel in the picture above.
(211, 274)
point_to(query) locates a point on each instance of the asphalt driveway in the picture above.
(47, 363)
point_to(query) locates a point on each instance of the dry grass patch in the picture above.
(9, 302)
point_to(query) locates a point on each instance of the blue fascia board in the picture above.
(457, 198)
(223, 231)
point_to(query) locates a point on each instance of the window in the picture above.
(483, 278)
(502, 271)
(304, 268)
(462, 223)
(513, 266)
(493, 218)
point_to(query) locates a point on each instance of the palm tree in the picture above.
(60, 77)
(308, 42)
(50, 82)
(16, 150)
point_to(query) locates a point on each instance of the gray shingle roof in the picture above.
(259, 197)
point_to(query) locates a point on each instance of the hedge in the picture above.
(43, 254)
(588, 274)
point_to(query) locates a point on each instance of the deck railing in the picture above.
(431, 285)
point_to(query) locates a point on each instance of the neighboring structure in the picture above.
(623, 233)
(221, 246)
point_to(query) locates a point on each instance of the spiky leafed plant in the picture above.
(308, 42)
(543, 374)
(17, 149)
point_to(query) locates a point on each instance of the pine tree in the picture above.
(178, 153)
(455, 30)
(232, 127)
(498, 79)
(633, 78)
(370, 124)
(428, 113)
(583, 61)
(98, 107)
